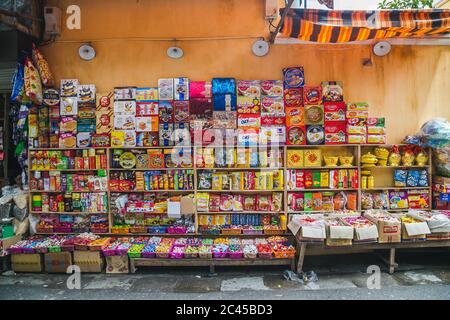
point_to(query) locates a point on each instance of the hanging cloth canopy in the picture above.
(333, 26)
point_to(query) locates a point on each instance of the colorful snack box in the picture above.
(267, 121)
(335, 133)
(83, 140)
(166, 112)
(104, 115)
(246, 104)
(181, 111)
(223, 86)
(332, 91)
(68, 125)
(147, 124)
(272, 105)
(100, 140)
(272, 88)
(86, 94)
(295, 158)
(166, 134)
(225, 102)
(376, 139)
(295, 116)
(247, 121)
(358, 106)
(86, 125)
(293, 97)
(293, 77)
(314, 115)
(312, 95)
(144, 109)
(418, 199)
(67, 140)
(250, 89)
(125, 107)
(201, 109)
(86, 112)
(147, 94)
(129, 139)
(398, 200)
(313, 158)
(296, 135)
(275, 135)
(69, 106)
(125, 122)
(166, 89)
(117, 139)
(147, 139)
(335, 111)
(356, 139)
(308, 201)
(69, 87)
(224, 119)
(376, 126)
(181, 89)
(124, 93)
(200, 89)
(315, 135)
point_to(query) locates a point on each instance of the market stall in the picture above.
(213, 171)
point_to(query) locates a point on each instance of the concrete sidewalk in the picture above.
(340, 277)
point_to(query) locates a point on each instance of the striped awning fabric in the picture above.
(332, 26)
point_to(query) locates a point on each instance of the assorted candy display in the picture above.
(239, 157)
(180, 111)
(212, 202)
(322, 201)
(157, 247)
(72, 224)
(241, 180)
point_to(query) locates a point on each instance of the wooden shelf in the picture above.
(322, 189)
(69, 213)
(68, 192)
(396, 188)
(240, 169)
(152, 191)
(151, 169)
(241, 191)
(66, 170)
(241, 212)
(323, 168)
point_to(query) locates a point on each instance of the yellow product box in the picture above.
(208, 157)
(33, 131)
(295, 158)
(117, 139)
(89, 261)
(263, 159)
(240, 158)
(260, 181)
(230, 157)
(324, 179)
(278, 180)
(216, 181)
(313, 158)
(237, 181)
(269, 180)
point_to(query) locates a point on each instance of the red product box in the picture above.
(267, 121)
(293, 97)
(312, 95)
(335, 132)
(335, 111)
(296, 135)
(308, 179)
(181, 109)
(300, 179)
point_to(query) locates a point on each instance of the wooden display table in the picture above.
(320, 248)
(211, 263)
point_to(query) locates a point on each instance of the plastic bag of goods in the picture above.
(42, 65)
(32, 80)
(436, 135)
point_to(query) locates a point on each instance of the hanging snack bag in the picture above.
(32, 83)
(42, 65)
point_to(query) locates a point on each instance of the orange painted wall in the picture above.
(408, 87)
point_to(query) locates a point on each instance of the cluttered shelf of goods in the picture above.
(218, 169)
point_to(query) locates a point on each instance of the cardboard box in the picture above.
(339, 235)
(6, 243)
(89, 261)
(414, 231)
(117, 264)
(388, 232)
(187, 205)
(27, 263)
(57, 262)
